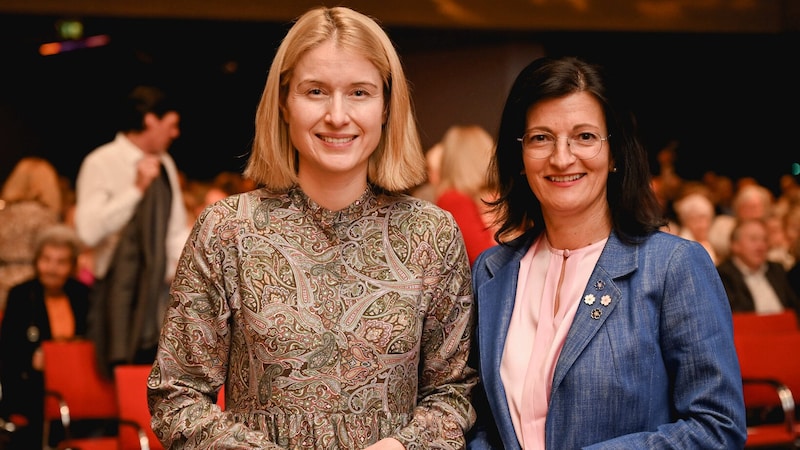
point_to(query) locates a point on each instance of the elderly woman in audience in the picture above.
(51, 305)
(695, 213)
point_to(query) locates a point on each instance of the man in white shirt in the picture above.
(130, 211)
(752, 282)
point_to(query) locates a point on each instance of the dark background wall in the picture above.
(729, 99)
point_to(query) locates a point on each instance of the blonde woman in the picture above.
(463, 184)
(335, 310)
(30, 201)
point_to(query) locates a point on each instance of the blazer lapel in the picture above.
(601, 296)
(496, 297)
(494, 315)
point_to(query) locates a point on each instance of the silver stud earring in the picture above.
(614, 170)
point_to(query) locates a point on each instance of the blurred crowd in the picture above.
(35, 197)
(706, 210)
(750, 232)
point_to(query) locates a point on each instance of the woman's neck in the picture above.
(332, 194)
(54, 294)
(571, 235)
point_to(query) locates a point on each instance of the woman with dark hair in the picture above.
(594, 327)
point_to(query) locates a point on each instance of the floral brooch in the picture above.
(605, 300)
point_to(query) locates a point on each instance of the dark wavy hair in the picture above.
(635, 210)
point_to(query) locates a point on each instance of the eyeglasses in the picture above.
(540, 144)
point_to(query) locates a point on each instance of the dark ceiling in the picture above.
(716, 16)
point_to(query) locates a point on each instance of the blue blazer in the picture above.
(655, 367)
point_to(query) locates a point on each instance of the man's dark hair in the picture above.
(141, 101)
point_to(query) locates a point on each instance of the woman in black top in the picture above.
(53, 305)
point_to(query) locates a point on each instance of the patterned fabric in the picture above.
(330, 330)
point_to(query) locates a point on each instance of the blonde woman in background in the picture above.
(463, 187)
(30, 201)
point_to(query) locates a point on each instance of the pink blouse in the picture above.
(539, 328)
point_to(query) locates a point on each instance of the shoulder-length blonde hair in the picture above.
(33, 179)
(398, 163)
(466, 155)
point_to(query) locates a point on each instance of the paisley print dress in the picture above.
(328, 329)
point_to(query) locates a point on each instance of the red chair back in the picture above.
(70, 368)
(131, 381)
(769, 364)
(750, 322)
(132, 398)
(71, 375)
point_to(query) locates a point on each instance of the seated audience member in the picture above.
(463, 184)
(791, 230)
(53, 305)
(752, 282)
(792, 227)
(695, 214)
(751, 201)
(778, 246)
